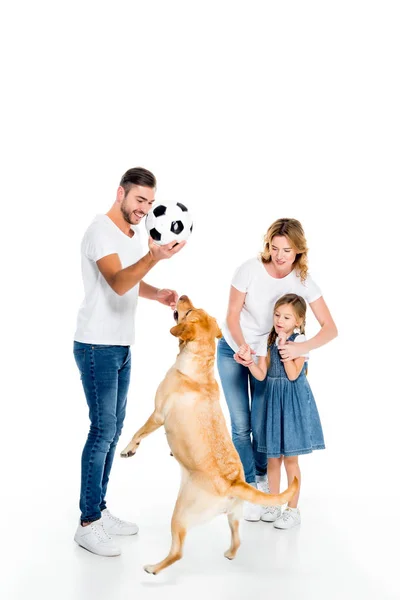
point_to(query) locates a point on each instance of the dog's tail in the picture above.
(245, 491)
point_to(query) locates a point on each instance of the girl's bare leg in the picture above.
(292, 470)
(274, 474)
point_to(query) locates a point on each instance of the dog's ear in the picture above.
(184, 331)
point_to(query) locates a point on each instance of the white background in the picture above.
(246, 112)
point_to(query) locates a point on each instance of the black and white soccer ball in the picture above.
(168, 221)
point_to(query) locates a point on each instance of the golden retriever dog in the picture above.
(187, 404)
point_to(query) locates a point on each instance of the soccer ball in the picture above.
(169, 221)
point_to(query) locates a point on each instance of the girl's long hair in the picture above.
(293, 231)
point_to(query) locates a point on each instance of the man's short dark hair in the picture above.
(137, 176)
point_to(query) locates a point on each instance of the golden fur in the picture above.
(187, 404)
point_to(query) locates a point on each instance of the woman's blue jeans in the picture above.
(105, 374)
(240, 390)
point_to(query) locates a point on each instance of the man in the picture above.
(113, 269)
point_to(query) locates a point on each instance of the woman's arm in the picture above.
(236, 301)
(328, 332)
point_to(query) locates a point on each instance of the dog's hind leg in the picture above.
(192, 507)
(233, 520)
(178, 537)
(153, 422)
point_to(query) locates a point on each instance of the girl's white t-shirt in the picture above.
(105, 317)
(262, 291)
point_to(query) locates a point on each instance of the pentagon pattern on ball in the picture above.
(160, 210)
(170, 221)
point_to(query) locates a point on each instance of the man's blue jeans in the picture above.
(105, 374)
(240, 390)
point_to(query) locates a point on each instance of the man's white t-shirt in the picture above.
(105, 317)
(262, 291)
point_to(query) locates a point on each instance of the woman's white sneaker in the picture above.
(96, 540)
(271, 513)
(114, 526)
(290, 518)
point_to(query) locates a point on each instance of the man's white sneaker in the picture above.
(114, 526)
(290, 518)
(271, 513)
(96, 540)
(251, 512)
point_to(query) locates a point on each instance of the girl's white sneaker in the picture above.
(290, 518)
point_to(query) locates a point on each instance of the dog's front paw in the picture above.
(150, 569)
(130, 450)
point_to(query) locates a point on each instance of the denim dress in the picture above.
(287, 418)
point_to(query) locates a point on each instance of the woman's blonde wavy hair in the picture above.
(293, 231)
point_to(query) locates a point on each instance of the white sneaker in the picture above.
(290, 518)
(114, 526)
(271, 513)
(251, 512)
(263, 486)
(96, 540)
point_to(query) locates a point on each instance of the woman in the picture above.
(256, 286)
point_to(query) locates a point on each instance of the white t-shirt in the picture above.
(105, 317)
(262, 291)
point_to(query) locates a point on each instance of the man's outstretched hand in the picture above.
(167, 297)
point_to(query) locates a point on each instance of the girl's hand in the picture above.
(241, 361)
(282, 337)
(244, 352)
(290, 351)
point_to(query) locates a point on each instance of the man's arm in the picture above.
(148, 291)
(122, 280)
(163, 296)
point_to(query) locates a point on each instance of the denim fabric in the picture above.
(287, 418)
(240, 390)
(105, 374)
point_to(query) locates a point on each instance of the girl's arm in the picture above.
(259, 370)
(328, 332)
(293, 367)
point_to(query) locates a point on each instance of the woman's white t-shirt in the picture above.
(262, 291)
(105, 317)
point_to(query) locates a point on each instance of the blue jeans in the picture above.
(240, 390)
(105, 374)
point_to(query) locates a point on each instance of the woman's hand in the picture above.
(291, 350)
(244, 352)
(241, 361)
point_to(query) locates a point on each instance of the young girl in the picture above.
(288, 421)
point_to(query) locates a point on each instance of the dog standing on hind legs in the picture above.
(187, 405)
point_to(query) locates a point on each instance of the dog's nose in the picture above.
(176, 315)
